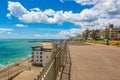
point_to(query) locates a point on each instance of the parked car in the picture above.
(114, 38)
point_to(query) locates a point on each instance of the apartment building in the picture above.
(110, 33)
(41, 54)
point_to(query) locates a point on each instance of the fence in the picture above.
(54, 68)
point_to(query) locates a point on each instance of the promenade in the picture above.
(14, 69)
(94, 62)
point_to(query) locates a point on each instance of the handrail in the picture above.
(53, 69)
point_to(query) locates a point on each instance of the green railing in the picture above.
(54, 68)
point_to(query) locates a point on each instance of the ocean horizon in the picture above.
(14, 50)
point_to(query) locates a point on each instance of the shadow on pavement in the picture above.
(66, 74)
(78, 43)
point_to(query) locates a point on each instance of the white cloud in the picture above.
(35, 9)
(6, 29)
(20, 25)
(2, 30)
(88, 2)
(62, 1)
(62, 34)
(9, 16)
(37, 35)
(16, 9)
(33, 17)
(49, 12)
(71, 32)
(102, 13)
(9, 33)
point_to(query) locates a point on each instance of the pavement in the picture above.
(94, 62)
(29, 74)
(67, 69)
(10, 72)
(15, 69)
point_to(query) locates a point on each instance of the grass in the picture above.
(111, 42)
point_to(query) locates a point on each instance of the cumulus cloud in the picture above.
(102, 13)
(61, 34)
(9, 16)
(20, 25)
(71, 32)
(16, 9)
(88, 2)
(35, 9)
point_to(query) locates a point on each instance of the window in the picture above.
(33, 49)
(40, 52)
(40, 60)
(40, 49)
(40, 56)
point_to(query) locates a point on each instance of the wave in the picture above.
(2, 66)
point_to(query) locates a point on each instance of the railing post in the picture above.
(38, 77)
(56, 64)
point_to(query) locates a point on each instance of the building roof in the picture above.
(44, 45)
(47, 45)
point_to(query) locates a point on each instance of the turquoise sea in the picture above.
(12, 51)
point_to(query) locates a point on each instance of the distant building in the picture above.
(91, 35)
(112, 32)
(76, 38)
(85, 34)
(101, 34)
(109, 33)
(42, 54)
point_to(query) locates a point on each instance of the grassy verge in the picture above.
(111, 42)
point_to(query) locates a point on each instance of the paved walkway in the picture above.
(29, 74)
(94, 62)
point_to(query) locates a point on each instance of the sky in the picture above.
(55, 19)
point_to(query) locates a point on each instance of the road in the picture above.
(94, 62)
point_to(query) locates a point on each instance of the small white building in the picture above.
(42, 54)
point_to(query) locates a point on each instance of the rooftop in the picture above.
(44, 45)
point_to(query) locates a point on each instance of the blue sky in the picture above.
(43, 19)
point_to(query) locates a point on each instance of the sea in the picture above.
(12, 51)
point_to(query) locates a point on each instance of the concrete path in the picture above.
(29, 74)
(10, 72)
(94, 62)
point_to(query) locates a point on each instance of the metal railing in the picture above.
(53, 69)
